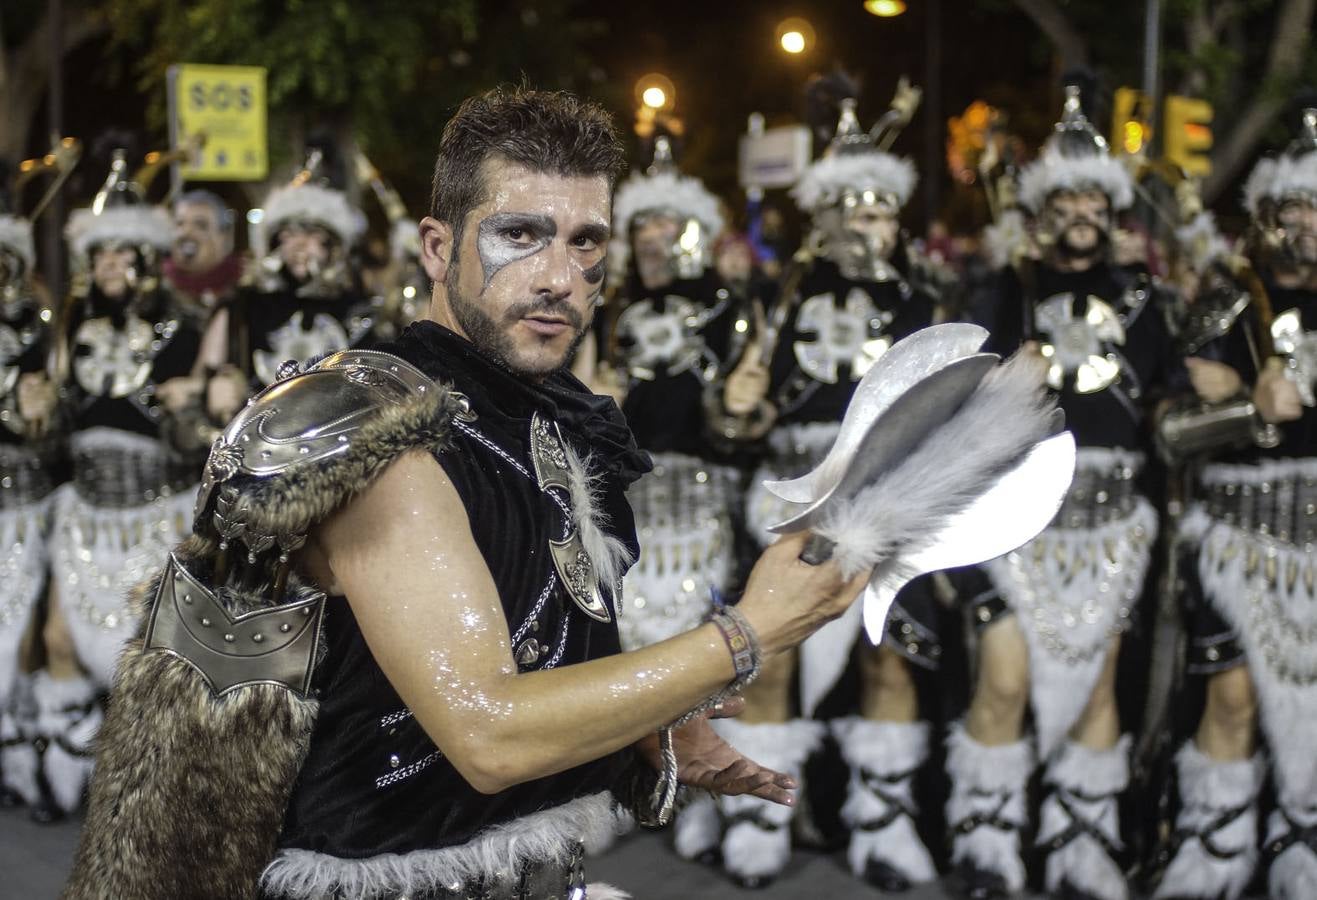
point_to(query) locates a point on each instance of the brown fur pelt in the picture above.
(189, 790)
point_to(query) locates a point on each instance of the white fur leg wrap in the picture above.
(18, 759)
(683, 511)
(547, 836)
(880, 805)
(98, 555)
(987, 807)
(1080, 823)
(1072, 590)
(67, 721)
(1267, 591)
(757, 841)
(1292, 837)
(698, 828)
(1216, 830)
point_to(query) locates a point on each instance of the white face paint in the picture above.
(530, 266)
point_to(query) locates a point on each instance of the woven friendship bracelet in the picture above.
(742, 643)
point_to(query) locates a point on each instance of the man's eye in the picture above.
(584, 243)
(516, 235)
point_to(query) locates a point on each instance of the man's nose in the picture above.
(554, 276)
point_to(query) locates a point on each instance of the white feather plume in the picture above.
(1005, 238)
(1008, 413)
(1284, 176)
(1257, 186)
(609, 555)
(827, 178)
(137, 225)
(1052, 171)
(16, 234)
(1201, 242)
(313, 203)
(681, 194)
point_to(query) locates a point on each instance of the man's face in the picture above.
(304, 250)
(734, 262)
(199, 241)
(1079, 220)
(1298, 219)
(876, 226)
(113, 269)
(524, 279)
(653, 239)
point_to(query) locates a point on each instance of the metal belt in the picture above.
(121, 477)
(23, 478)
(1097, 497)
(1284, 508)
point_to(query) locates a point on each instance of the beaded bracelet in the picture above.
(741, 641)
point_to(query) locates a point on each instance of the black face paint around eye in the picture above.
(594, 274)
(497, 250)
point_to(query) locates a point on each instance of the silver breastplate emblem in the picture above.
(654, 342)
(1080, 347)
(116, 363)
(293, 340)
(852, 335)
(12, 346)
(1299, 350)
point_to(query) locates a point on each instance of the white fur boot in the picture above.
(885, 849)
(1216, 832)
(68, 717)
(18, 758)
(1292, 844)
(1080, 822)
(698, 830)
(987, 810)
(757, 841)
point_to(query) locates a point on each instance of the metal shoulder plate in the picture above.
(309, 416)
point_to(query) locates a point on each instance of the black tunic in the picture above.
(373, 781)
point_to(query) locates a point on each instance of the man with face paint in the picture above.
(303, 299)
(387, 663)
(27, 445)
(857, 293)
(1252, 636)
(202, 269)
(1050, 616)
(122, 353)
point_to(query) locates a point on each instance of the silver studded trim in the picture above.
(405, 772)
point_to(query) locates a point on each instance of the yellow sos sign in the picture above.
(225, 105)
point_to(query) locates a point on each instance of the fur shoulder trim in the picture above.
(138, 225)
(1054, 172)
(16, 234)
(315, 204)
(825, 180)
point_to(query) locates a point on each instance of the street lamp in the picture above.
(885, 8)
(656, 92)
(795, 36)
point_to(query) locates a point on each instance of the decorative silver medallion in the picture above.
(667, 341)
(851, 334)
(294, 341)
(1080, 346)
(110, 362)
(1299, 349)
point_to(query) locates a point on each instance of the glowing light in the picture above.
(255, 216)
(1132, 138)
(654, 97)
(885, 8)
(793, 42)
(795, 36)
(690, 238)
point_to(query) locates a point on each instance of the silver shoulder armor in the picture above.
(309, 416)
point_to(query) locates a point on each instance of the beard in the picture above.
(1073, 251)
(491, 336)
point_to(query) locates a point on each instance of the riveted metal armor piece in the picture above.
(309, 417)
(269, 646)
(1080, 346)
(667, 341)
(295, 340)
(1299, 350)
(852, 335)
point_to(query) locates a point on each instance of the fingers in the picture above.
(732, 706)
(747, 777)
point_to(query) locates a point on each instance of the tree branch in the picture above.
(1284, 60)
(1069, 43)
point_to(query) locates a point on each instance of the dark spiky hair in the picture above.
(546, 131)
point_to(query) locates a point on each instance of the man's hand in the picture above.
(1214, 382)
(1276, 397)
(226, 392)
(747, 385)
(177, 394)
(705, 760)
(786, 600)
(37, 398)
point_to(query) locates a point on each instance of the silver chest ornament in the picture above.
(667, 341)
(293, 340)
(13, 344)
(1080, 346)
(112, 362)
(1298, 348)
(573, 564)
(851, 334)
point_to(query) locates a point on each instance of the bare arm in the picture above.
(403, 555)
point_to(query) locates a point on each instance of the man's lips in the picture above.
(548, 326)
